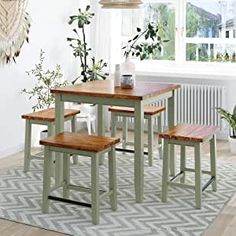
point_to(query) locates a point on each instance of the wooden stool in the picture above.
(193, 136)
(150, 112)
(44, 117)
(85, 145)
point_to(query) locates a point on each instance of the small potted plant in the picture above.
(144, 44)
(231, 120)
(45, 80)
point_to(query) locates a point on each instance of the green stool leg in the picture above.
(112, 178)
(124, 132)
(172, 159)
(213, 162)
(73, 129)
(159, 130)
(95, 188)
(113, 124)
(165, 171)
(27, 151)
(182, 162)
(46, 178)
(66, 175)
(51, 132)
(150, 140)
(198, 182)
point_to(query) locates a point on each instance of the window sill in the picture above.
(190, 70)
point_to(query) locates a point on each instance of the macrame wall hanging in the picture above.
(14, 28)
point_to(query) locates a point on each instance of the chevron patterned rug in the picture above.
(20, 201)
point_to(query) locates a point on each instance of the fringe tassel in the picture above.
(10, 48)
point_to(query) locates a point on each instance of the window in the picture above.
(197, 30)
(209, 30)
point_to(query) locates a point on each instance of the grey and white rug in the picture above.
(20, 200)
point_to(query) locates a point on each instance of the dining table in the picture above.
(104, 93)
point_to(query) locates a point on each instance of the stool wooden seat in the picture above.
(48, 115)
(150, 112)
(85, 145)
(44, 117)
(193, 136)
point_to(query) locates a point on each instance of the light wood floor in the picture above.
(224, 224)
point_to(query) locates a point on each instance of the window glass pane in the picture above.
(210, 18)
(210, 52)
(152, 11)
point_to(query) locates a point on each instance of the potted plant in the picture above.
(45, 80)
(144, 44)
(91, 69)
(231, 120)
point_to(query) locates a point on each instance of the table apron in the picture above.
(113, 101)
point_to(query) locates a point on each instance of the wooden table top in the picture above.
(106, 89)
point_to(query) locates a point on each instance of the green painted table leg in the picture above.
(171, 123)
(95, 188)
(101, 126)
(73, 129)
(198, 173)
(112, 178)
(66, 174)
(59, 109)
(150, 141)
(182, 162)
(27, 150)
(46, 178)
(213, 161)
(165, 171)
(124, 132)
(138, 147)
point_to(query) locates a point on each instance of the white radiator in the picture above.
(195, 104)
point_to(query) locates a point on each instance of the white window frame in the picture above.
(181, 40)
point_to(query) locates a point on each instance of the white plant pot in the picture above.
(232, 143)
(43, 134)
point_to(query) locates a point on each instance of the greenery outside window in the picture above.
(198, 30)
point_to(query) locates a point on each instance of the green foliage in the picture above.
(45, 80)
(90, 69)
(230, 118)
(152, 42)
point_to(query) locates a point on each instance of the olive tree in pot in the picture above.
(44, 81)
(231, 120)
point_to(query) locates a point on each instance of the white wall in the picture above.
(49, 31)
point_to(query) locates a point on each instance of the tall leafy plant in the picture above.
(45, 80)
(90, 68)
(230, 119)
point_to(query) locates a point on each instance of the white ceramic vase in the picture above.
(127, 74)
